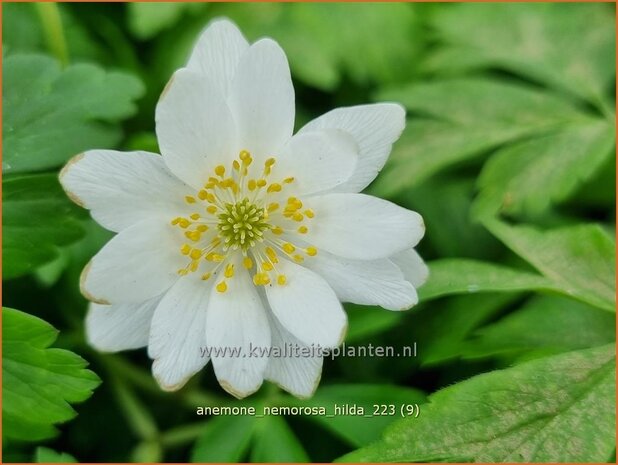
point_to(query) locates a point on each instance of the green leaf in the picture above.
(146, 20)
(361, 430)
(275, 442)
(224, 439)
(23, 32)
(37, 219)
(46, 455)
(323, 44)
(441, 329)
(38, 383)
(555, 409)
(462, 276)
(528, 177)
(579, 260)
(547, 324)
(53, 114)
(365, 321)
(569, 46)
(445, 202)
(469, 117)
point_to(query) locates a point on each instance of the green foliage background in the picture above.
(509, 155)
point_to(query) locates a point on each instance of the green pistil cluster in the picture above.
(242, 224)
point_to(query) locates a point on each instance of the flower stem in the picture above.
(181, 435)
(51, 21)
(137, 415)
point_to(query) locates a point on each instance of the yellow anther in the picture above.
(298, 216)
(209, 185)
(222, 287)
(212, 209)
(292, 200)
(220, 170)
(202, 228)
(210, 197)
(289, 248)
(247, 263)
(311, 251)
(193, 235)
(214, 257)
(274, 187)
(236, 165)
(229, 271)
(267, 266)
(269, 162)
(175, 221)
(303, 229)
(202, 194)
(288, 180)
(277, 230)
(309, 213)
(272, 255)
(281, 279)
(206, 276)
(252, 184)
(183, 223)
(196, 254)
(298, 258)
(185, 249)
(244, 154)
(189, 199)
(183, 272)
(261, 279)
(193, 266)
(195, 216)
(261, 182)
(272, 207)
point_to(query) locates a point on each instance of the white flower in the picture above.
(241, 234)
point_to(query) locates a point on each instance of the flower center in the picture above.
(244, 220)
(242, 224)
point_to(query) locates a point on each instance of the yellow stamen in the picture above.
(273, 207)
(309, 213)
(274, 187)
(311, 251)
(212, 209)
(288, 180)
(195, 216)
(281, 279)
(266, 266)
(220, 170)
(189, 199)
(205, 276)
(298, 258)
(277, 230)
(303, 229)
(247, 263)
(222, 287)
(289, 248)
(229, 270)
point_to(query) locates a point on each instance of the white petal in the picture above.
(217, 53)
(140, 262)
(111, 328)
(195, 128)
(297, 374)
(318, 160)
(374, 127)
(262, 100)
(307, 307)
(237, 321)
(365, 282)
(362, 227)
(412, 266)
(178, 333)
(122, 189)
